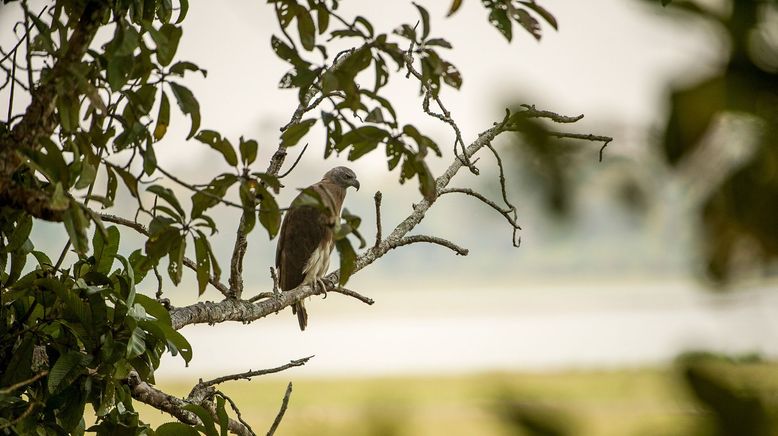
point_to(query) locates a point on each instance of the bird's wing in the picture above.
(303, 230)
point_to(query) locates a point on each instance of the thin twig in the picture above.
(13, 387)
(18, 43)
(531, 112)
(296, 161)
(407, 240)
(24, 414)
(377, 199)
(237, 412)
(249, 374)
(274, 276)
(509, 213)
(280, 416)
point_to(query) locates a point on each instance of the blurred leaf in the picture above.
(105, 248)
(248, 150)
(348, 258)
(175, 429)
(455, 5)
(203, 262)
(188, 104)
(425, 21)
(499, 19)
(66, 369)
(222, 145)
(292, 135)
(163, 118)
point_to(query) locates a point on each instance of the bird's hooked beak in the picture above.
(355, 184)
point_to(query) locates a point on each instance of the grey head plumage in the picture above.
(343, 177)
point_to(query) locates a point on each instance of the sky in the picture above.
(615, 279)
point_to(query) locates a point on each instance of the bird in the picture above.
(306, 238)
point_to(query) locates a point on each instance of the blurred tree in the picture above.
(73, 334)
(721, 135)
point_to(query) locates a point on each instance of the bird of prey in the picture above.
(306, 238)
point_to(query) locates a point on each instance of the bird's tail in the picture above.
(302, 314)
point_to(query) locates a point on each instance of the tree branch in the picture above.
(407, 240)
(249, 374)
(174, 406)
(280, 416)
(377, 199)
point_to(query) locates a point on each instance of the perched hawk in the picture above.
(306, 237)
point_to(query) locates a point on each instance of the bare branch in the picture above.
(377, 199)
(407, 240)
(296, 161)
(174, 406)
(531, 112)
(586, 137)
(249, 374)
(13, 387)
(280, 416)
(509, 213)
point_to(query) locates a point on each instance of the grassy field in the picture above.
(603, 403)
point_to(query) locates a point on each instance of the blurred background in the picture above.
(628, 268)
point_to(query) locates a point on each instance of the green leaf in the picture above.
(177, 343)
(153, 308)
(248, 151)
(425, 21)
(439, 42)
(136, 344)
(87, 176)
(19, 365)
(528, 22)
(179, 68)
(203, 262)
(182, 10)
(167, 195)
(166, 39)
(76, 224)
(188, 104)
(105, 249)
(176, 257)
(348, 259)
(248, 200)
(66, 370)
(292, 135)
(222, 414)
(222, 145)
(550, 19)
(209, 197)
(20, 234)
(163, 117)
(175, 429)
(455, 5)
(269, 213)
(129, 180)
(209, 428)
(306, 29)
(499, 19)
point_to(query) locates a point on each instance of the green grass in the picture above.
(601, 403)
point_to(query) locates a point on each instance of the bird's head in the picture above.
(343, 177)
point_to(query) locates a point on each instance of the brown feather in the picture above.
(304, 229)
